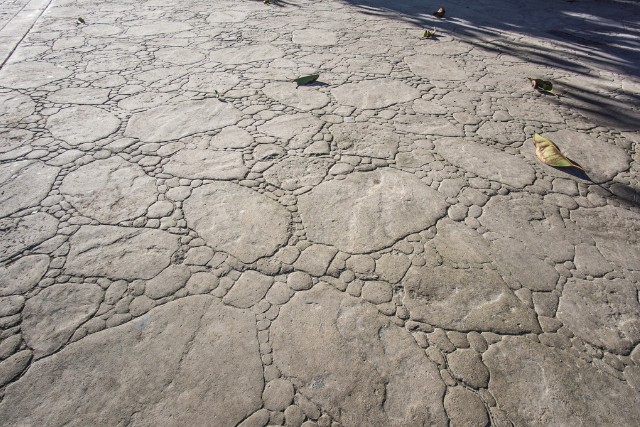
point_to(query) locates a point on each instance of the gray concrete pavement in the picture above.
(190, 239)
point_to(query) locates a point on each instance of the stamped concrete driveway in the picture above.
(187, 238)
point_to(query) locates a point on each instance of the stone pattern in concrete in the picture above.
(187, 238)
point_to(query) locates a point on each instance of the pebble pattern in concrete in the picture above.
(190, 239)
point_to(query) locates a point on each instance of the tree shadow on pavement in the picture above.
(583, 38)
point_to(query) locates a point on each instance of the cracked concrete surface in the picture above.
(188, 238)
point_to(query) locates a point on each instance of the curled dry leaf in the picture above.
(550, 154)
(307, 79)
(543, 86)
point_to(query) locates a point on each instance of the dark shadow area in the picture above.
(317, 83)
(605, 33)
(581, 37)
(573, 171)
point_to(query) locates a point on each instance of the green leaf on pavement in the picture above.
(428, 33)
(307, 79)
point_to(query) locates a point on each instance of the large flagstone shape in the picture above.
(465, 300)
(301, 98)
(169, 122)
(110, 190)
(24, 184)
(488, 162)
(77, 125)
(342, 354)
(190, 362)
(26, 232)
(374, 94)
(246, 54)
(120, 252)
(540, 386)
(605, 313)
(26, 75)
(14, 107)
(370, 210)
(296, 129)
(237, 220)
(365, 139)
(212, 164)
(616, 232)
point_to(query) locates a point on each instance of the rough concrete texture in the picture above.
(189, 238)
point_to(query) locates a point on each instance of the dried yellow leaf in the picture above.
(550, 154)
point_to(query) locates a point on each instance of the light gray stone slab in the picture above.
(315, 259)
(80, 95)
(25, 232)
(169, 122)
(315, 37)
(248, 290)
(605, 313)
(616, 232)
(24, 184)
(236, 220)
(101, 30)
(347, 214)
(299, 97)
(144, 29)
(209, 164)
(436, 67)
(466, 365)
(569, 392)
(14, 107)
(52, 316)
(374, 94)
(295, 172)
(110, 190)
(537, 225)
(145, 100)
(427, 125)
(246, 54)
(210, 372)
(487, 162)
(354, 362)
(168, 281)
(457, 243)
(226, 16)
(465, 408)
(296, 129)
(465, 300)
(77, 125)
(11, 367)
(27, 75)
(13, 139)
(179, 55)
(231, 137)
(524, 265)
(365, 139)
(212, 82)
(22, 275)
(392, 266)
(119, 252)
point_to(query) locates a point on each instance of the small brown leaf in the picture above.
(549, 153)
(439, 13)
